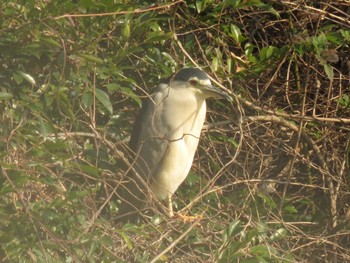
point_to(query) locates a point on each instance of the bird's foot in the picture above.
(189, 219)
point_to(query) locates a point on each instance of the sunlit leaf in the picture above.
(279, 234)
(27, 77)
(201, 5)
(215, 64)
(104, 99)
(234, 227)
(236, 34)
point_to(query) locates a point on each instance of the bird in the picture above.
(164, 140)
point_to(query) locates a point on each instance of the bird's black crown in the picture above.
(188, 73)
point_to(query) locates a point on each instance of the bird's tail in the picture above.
(134, 198)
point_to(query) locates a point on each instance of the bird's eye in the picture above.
(193, 82)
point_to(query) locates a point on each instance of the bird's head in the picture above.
(199, 81)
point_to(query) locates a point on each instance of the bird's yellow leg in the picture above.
(184, 218)
(170, 206)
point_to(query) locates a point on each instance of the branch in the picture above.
(136, 11)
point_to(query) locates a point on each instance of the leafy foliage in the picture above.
(271, 178)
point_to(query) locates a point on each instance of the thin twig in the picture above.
(183, 235)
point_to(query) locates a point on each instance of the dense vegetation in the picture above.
(271, 177)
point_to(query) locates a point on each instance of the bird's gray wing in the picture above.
(135, 134)
(134, 192)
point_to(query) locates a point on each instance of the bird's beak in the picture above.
(216, 92)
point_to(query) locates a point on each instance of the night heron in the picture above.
(165, 139)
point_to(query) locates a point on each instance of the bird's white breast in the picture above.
(174, 129)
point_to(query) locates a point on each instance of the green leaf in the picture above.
(45, 129)
(279, 234)
(233, 3)
(290, 209)
(156, 219)
(201, 5)
(126, 30)
(64, 103)
(260, 250)
(91, 58)
(5, 189)
(345, 34)
(104, 99)
(50, 42)
(17, 77)
(90, 170)
(268, 200)
(344, 100)
(248, 50)
(253, 233)
(329, 71)
(319, 43)
(5, 96)
(158, 36)
(127, 91)
(270, 9)
(235, 227)
(27, 77)
(127, 240)
(229, 65)
(215, 64)
(235, 33)
(269, 51)
(86, 100)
